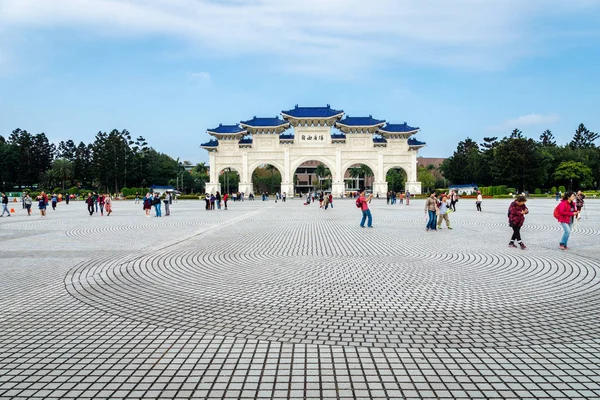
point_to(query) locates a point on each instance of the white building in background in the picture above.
(362, 140)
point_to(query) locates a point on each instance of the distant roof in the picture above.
(398, 128)
(361, 121)
(227, 129)
(161, 187)
(415, 142)
(211, 143)
(312, 112)
(245, 141)
(473, 185)
(258, 122)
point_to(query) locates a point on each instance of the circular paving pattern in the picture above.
(323, 282)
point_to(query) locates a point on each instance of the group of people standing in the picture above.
(392, 197)
(325, 199)
(213, 201)
(101, 202)
(154, 200)
(437, 211)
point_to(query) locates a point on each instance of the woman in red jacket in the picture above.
(567, 210)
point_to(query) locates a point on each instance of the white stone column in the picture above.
(337, 186)
(413, 185)
(380, 185)
(213, 186)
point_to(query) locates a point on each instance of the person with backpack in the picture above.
(516, 218)
(431, 208)
(565, 211)
(362, 202)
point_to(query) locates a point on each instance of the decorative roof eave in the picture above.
(228, 136)
(358, 129)
(313, 121)
(266, 129)
(397, 135)
(211, 145)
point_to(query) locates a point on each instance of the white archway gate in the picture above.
(362, 140)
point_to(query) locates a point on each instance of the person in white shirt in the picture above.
(478, 202)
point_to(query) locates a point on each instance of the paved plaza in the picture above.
(282, 300)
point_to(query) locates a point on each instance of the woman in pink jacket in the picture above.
(567, 210)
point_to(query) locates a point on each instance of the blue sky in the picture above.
(170, 69)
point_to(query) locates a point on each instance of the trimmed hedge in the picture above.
(503, 196)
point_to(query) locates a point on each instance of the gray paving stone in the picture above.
(289, 301)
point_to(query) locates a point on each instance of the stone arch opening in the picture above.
(313, 175)
(396, 178)
(229, 179)
(358, 175)
(266, 178)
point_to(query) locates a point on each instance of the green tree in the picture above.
(570, 171)
(465, 164)
(583, 138)
(320, 172)
(426, 178)
(518, 163)
(547, 139)
(63, 168)
(396, 179)
(355, 173)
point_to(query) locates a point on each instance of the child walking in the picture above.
(516, 217)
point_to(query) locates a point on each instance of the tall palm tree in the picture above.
(63, 170)
(320, 171)
(271, 168)
(366, 171)
(355, 172)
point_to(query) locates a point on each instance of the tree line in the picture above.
(113, 161)
(525, 163)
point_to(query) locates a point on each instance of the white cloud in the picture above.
(525, 121)
(316, 36)
(203, 77)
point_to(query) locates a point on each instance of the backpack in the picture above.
(557, 212)
(358, 203)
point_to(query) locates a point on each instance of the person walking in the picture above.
(330, 201)
(156, 203)
(443, 210)
(27, 201)
(212, 201)
(207, 201)
(567, 211)
(218, 200)
(431, 209)
(225, 198)
(90, 203)
(54, 201)
(453, 200)
(579, 203)
(478, 201)
(101, 199)
(147, 206)
(516, 217)
(107, 204)
(167, 200)
(95, 197)
(407, 198)
(42, 203)
(67, 198)
(137, 197)
(283, 196)
(325, 201)
(362, 202)
(5, 205)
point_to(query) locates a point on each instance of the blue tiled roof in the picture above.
(224, 129)
(398, 128)
(361, 121)
(211, 143)
(287, 137)
(312, 112)
(264, 122)
(338, 136)
(245, 141)
(415, 142)
(379, 140)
